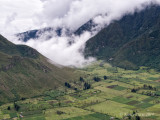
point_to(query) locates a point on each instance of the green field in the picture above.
(121, 94)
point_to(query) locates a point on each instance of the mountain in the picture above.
(128, 43)
(131, 42)
(48, 31)
(86, 27)
(26, 73)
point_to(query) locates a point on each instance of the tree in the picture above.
(87, 86)
(23, 98)
(81, 79)
(138, 118)
(129, 117)
(134, 90)
(16, 107)
(150, 87)
(60, 112)
(134, 113)
(59, 103)
(144, 86)
(75, 89)
(67, 85)
(105, 77)
(97, 79)
(9, 108)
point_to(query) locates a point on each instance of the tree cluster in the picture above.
(149, 87)
(16, 107)
(97, 79)
(134, 90)
(87, 86)
(81, 79)
(67, 84)
(105, 77)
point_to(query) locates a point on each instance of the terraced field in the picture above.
(113, 93)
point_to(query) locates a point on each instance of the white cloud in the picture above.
(10, 19)
(63, 13)
(74, 13)
(25, 11)
(59, 50)
(32, 14)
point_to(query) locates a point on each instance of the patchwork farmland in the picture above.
(103, 92)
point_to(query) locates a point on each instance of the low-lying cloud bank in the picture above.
(71, 14)
(64, 50)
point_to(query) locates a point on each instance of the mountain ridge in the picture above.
(138, 31)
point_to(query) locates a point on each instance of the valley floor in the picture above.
(110, 93)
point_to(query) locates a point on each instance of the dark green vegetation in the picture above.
(26, 73)
(108, 99)
(131, 42)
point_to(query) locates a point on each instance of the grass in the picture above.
(144, 105)
(26, 73)
(13, 115)
(38, 88)
(39, 117)
(68, 112)
(20, 81)
(108, 93)
(119, 88)
(133, 102)
(105, 99)
(95, 116)
(89, 101)
(155, 108)
(121, 99)
(111, 108)
(149, 99)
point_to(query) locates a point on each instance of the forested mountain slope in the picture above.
(130, 42)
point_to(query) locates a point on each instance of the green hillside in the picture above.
(26, 73)
(131, 42)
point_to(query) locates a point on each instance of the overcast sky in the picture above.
(22, 15)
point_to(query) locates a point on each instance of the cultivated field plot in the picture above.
(102, 93)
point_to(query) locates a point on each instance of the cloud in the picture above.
(64, 50)
(119, 8)
(34, 14)
(23, 12)
(74, 13)
(10, 19)
(70, 14)
(8, 23)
